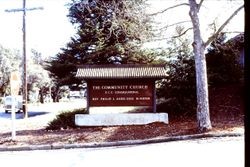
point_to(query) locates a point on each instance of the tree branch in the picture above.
(177, 23)
(233, 32)
(210, 39)
(160, 12)
(176, 36)
(199, 6)
(183, 33)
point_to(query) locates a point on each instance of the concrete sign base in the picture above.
(120, 119)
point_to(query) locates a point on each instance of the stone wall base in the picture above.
(120, 119)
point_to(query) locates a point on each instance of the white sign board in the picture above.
(14, 83)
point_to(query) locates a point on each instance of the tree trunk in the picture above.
(41, 99)
(203, 116)
(55, 94)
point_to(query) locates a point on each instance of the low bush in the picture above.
(177, 109)
(179, 88)
(65, 120)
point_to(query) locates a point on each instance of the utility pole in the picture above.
(24, 86)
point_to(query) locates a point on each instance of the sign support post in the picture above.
(88, 99)
(14, 87)
(13, 121)
(154, 98)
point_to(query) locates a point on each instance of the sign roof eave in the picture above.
(121, 71)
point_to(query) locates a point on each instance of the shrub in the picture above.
(179, 89)
(65, 120)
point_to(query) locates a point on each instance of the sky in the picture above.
(211, 10)
(49, 29)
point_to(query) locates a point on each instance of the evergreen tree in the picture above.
(223, 60)
(178, 88)
(108, 32)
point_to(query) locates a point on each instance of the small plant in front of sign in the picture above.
(65, 120)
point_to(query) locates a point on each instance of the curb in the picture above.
(119, 143)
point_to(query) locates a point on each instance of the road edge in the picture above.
(118, 143)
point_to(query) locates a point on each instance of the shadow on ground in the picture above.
(19, 115)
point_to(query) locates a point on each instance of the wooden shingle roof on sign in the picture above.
(121, 71)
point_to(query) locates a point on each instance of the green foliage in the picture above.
(9, 61)
(38, 78)
(179, 87)
(177, 109)
(65, 120)
(223, 61)
(1, 100)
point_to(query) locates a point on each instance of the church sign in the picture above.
(120, 93)
(121, 85)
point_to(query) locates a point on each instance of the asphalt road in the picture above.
(212, 152)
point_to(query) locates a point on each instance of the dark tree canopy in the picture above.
(108, 32)
(224, 60)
